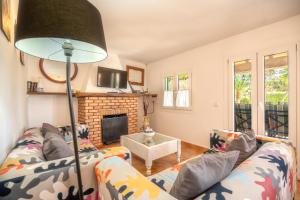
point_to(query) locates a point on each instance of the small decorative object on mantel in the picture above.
(32, 86)
(135, 75)
(147, 101)
(29, 86)
(148, 137)
(132, 89)
(40, 85)
(5, 18)
(21, 55)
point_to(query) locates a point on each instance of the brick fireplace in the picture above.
(91, 110)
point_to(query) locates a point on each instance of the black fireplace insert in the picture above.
(113, 126)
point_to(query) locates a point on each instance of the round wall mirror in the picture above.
(56, 71)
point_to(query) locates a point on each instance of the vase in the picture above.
(146, 123)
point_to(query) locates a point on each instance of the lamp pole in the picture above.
(68, 49)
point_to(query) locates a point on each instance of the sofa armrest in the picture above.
(41, 167)
(119, 180)
(120, 151)
(53, 178)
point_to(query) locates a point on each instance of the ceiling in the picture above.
(149, 30)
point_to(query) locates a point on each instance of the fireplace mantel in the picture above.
(88, 94)
(91, 94)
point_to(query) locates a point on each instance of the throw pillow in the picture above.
(219, 139)
(49, 128)
(245, 144)
(82, 132)
(201, 173)
(54, 147)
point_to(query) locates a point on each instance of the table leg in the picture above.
(178, 154)
(148, 167)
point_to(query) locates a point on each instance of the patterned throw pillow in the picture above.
(82, 132)
(245, 143)
(219, 139)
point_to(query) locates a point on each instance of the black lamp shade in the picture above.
(44, 25)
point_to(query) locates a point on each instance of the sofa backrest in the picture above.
(220, 138)
(270, 173)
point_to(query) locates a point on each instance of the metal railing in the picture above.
(276, 119)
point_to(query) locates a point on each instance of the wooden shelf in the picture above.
(88, 94)
(47, 93)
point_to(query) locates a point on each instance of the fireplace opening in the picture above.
(113, 126)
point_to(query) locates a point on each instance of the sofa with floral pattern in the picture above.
(269, 174)
(25, 174)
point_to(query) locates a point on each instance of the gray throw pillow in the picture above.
(54, 147)
(245, 144)
(201, 173)
(49, 128)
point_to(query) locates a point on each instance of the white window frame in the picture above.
(298, 108)
(163, 93)
(231, 61)
(291, 49)
(258, 93)
(174, 107)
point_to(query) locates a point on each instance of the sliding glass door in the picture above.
(263, 93)
(277, 93)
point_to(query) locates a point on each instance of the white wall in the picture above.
(208, 67)
(12, 94)
(53, 109)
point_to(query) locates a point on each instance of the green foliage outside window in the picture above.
(183, 82)
(276, 86)
(242, 87)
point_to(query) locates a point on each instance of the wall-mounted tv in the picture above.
(111, 78)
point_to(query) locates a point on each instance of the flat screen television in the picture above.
(111, 78)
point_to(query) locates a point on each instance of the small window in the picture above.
(169, 89)
(177, 91)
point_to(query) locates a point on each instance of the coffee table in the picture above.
(162, 145)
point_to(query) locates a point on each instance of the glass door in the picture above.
(277, 93)
(243, 98)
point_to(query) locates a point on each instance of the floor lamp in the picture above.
(65, 31)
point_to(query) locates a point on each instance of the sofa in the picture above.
(269, 173)
(25, 174)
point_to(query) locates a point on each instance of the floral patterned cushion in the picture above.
(82, 131)
(28, 150)
(219, 139)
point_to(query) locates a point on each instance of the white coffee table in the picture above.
(163, 145)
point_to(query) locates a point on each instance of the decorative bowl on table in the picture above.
(148, 137)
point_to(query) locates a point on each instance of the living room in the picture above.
(178, 89)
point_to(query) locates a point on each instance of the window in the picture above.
(177, 91)
(169, 89)
(276, 100)
(262, 93)
(242, 95)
